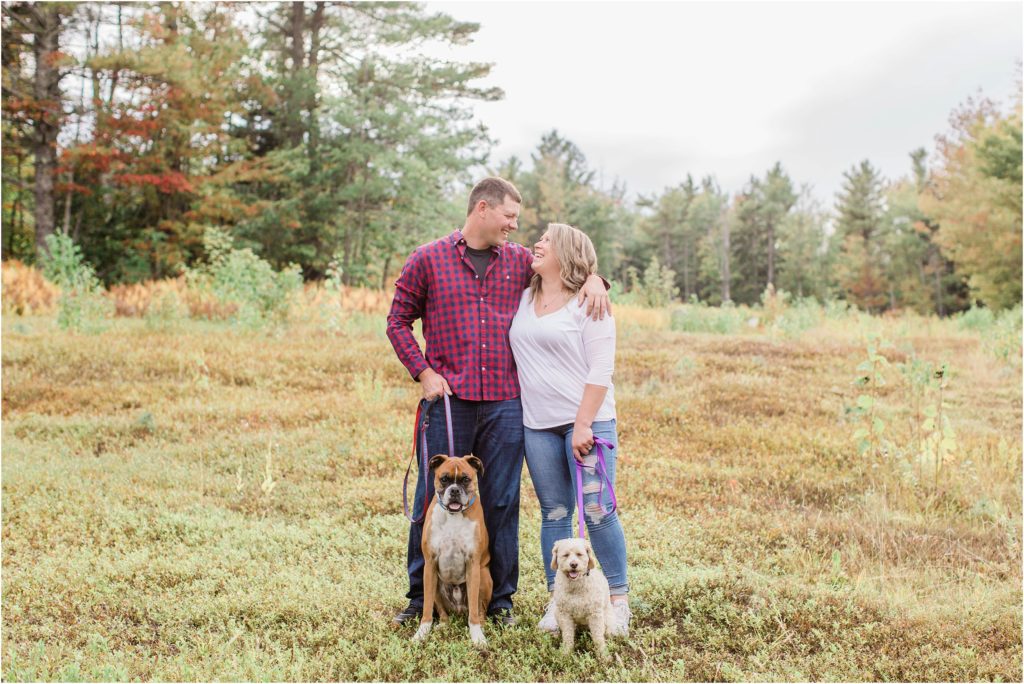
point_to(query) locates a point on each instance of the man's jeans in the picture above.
(493, 432)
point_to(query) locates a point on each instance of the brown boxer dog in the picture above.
(456, 572)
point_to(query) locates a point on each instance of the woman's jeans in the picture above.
(553, 472)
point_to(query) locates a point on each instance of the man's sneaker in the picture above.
(622, 616)
(503, 616)
(412, 612)
(548, 622)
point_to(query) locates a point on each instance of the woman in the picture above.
(565, 362)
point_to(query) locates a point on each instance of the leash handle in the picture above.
(423, 411)
(601, 469)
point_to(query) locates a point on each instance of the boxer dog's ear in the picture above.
(590, 556)
(437, 460)
(554, 556)
(476, 464)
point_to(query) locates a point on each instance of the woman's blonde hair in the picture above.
(575, 253)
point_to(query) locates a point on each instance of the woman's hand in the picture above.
(582, 441)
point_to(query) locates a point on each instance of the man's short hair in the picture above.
(493, 190)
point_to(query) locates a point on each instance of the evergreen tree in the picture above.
(863, 263)
(803, 244)
(760, 211)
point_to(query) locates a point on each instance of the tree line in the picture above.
(323, 134)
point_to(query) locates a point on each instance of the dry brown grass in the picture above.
(140, 540)
(25, 291)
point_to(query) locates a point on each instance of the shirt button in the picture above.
(477, 277)
(481, 320)
(481, 299)
(484, 346)
(483, 368)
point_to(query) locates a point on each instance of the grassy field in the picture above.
(190, 501)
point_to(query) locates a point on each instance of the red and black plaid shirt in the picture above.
(465, 318)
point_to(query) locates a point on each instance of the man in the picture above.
(466, 288)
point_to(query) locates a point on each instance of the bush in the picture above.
(657, 287)
(976, 318)
(82, 305)
(699, 317)
(801, 315)
(246, 285)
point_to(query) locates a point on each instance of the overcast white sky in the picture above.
(651, 91)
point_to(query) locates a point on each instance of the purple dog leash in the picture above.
(601, 469)
(421, 429)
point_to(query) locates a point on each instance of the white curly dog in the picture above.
(581, 594)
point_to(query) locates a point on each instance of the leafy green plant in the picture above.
(330, 308)
(256, 294)
(657, 286)
(82, 305)
(933, 441)
(697, 316)
(870, 435)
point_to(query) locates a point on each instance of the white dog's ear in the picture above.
(554, 556)
(590, 556)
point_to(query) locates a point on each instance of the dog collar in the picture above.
(461, 510)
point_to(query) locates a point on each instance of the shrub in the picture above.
(698, 317)
(976, 318)
(246, 285)
(657, 287)
(81, 305)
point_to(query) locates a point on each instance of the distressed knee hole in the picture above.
(592, 488)
(594, 513)
(558, 513)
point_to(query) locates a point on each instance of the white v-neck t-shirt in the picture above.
(556, 356)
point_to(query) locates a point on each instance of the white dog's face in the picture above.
(572, 557)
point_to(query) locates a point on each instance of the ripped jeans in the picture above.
(553, 472)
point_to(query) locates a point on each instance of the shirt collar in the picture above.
(460, 243)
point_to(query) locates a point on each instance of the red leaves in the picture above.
(169, 182)
(61, 188)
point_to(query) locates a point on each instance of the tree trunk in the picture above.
(46, 90)
(771, 255)
(686, 270)
(940, 304)
(298, 54)
(726, 277)
(315, 26)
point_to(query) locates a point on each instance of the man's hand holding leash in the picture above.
(433, 384)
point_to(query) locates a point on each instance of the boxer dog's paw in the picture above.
(422, 632)
(476, 633)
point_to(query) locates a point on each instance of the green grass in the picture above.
(203, 503)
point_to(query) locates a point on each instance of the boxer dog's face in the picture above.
(455, 480)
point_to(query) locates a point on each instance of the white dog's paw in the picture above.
(476, 633)
(422, 632)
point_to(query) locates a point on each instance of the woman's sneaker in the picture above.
(548, 623)
(622, 616)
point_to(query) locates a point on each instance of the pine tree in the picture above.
(863, 263)
(33, 101)
(760, 210)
